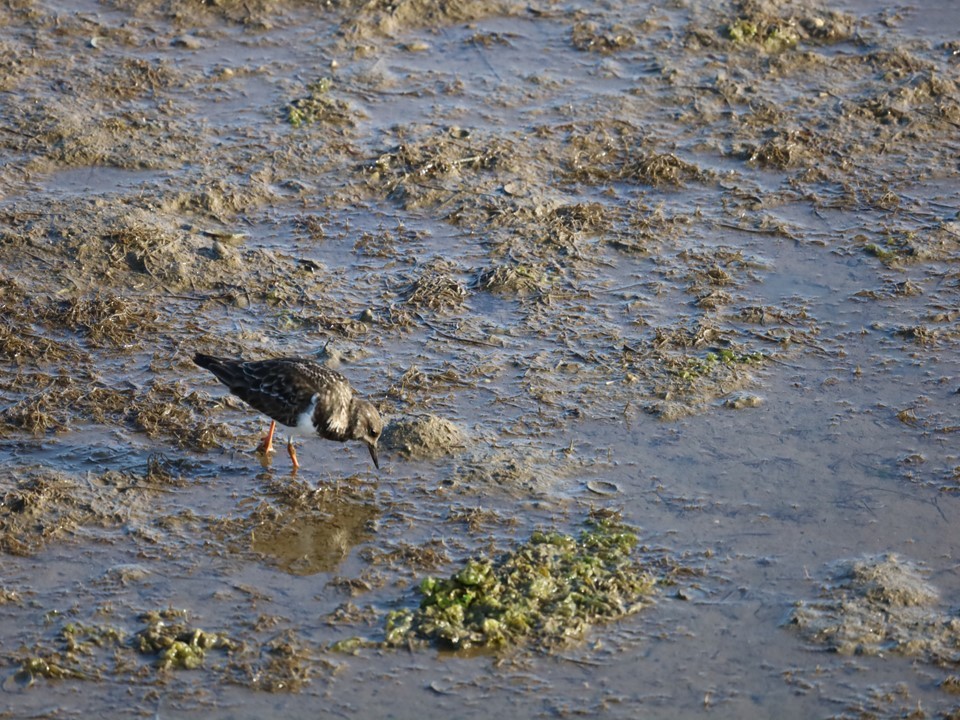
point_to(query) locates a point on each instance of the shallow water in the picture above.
(669, 197)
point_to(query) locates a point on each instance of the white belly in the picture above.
(304, 426)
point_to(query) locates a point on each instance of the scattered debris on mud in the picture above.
(39, 506)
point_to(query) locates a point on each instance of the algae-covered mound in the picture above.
(548, 591)
(423, 437)
(878, 605)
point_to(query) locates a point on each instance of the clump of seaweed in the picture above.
(756, 25)
(51, 665)
(167, 641)
(162, 409)
(901, 248)
(549, 591)
(134, 241)
(171, 410)
(436, 291)
(18, 341)
(175, 644)
(423, 172)
(606, 154)
(23, 347)
(787, 149)
(283, 664)
(81, 651)
(567, 223)
(659, 169)
(591, 37)
(648, 227)
(111, 319)
(511, 279)
(319, 107)
(773, 35)
(135, 77)
(421, 556)
(690, 367)
(476, 518)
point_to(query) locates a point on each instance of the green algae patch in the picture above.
(687, 382)
(759, 25)
(694, 367)
(81, 652)
(97, 651)
(35, 666)
(772, 37)
(319, 107)
(164, 643)
(547, 592)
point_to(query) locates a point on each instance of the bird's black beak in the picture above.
(373, 454)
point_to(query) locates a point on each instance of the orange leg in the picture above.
(266, 445)
(293, 455)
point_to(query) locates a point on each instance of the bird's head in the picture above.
(367, 427)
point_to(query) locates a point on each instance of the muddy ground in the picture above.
(660, 303)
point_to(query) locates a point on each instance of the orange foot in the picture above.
(293, 455)
(266, 445)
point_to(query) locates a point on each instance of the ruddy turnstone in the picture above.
(303, 395)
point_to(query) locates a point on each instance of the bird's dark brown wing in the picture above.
(281, 389)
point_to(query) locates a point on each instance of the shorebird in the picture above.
(302, 394)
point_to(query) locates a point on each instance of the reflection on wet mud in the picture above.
(308, 542)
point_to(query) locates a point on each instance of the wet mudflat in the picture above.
(659, 302)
